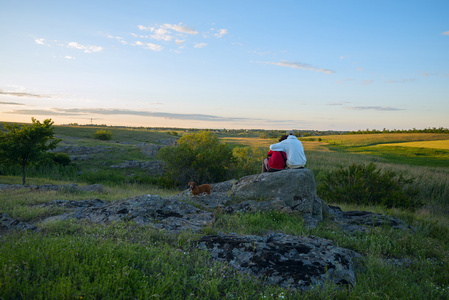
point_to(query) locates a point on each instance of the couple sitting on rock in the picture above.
(287, 154)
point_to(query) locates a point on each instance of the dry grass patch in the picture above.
(440, 144)
(372, 139)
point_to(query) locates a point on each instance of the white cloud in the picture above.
(221, 32)
(445, 33)
(86, 49)
(179, 42)
(149, 46)
(40, 41)
(200, 45)
(69, 57)
(163, 37)
(298, 65)
(180, 28)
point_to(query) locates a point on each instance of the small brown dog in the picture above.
(198, 190)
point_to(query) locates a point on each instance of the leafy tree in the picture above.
(26, 144)
(199, 157)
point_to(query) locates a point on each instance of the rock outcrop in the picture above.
(150, 150)
(289, 261)
(7, 224)
(293, 189)
(148, 209)
(359, 221)
(99, 188)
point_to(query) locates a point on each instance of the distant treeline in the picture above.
(414, 130)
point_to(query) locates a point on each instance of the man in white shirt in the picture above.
(296, 157)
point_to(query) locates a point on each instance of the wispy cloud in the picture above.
(11, 103)
(103, 111)
(173, 37)
(180, 28)
(150, 46)
(344, 80)
(85, 48)
(377, 108)
(220, 33)
(200, 45)
(445, 33)
(89, 112)
(298, 65)
(338, 103)
(165, 29)
(425, 74)
(367, 82)
(23, 94)
(39, 41)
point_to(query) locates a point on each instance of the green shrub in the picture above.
(102, 134)
(60, 158)
(367, 185)
(248, 160)
(199, 157)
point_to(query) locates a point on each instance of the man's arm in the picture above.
(278, 147)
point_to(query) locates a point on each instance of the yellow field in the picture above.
(253, 142)
(372, 139)
(444, 144)
(265, 143)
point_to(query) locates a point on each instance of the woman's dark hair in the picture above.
(283, 137)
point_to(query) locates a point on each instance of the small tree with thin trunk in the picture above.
(26, 144)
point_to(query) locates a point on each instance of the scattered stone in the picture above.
(168, 142)
(150, 149)
(99, 188)
(357, 221)
(10, 187)
(155, 167)
(7, 223)
(81, 150)
(289, 261)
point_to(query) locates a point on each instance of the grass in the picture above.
(70, 259)
(76, 260)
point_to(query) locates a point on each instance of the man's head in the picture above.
(290, 132)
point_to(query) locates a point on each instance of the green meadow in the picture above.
(78, 260)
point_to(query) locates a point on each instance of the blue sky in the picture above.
(324, 65)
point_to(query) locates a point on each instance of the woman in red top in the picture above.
(275, 160)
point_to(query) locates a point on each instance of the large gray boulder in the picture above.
(289, 261)
(293, 188)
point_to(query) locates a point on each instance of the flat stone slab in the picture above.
(289, 261)
(148, 209)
